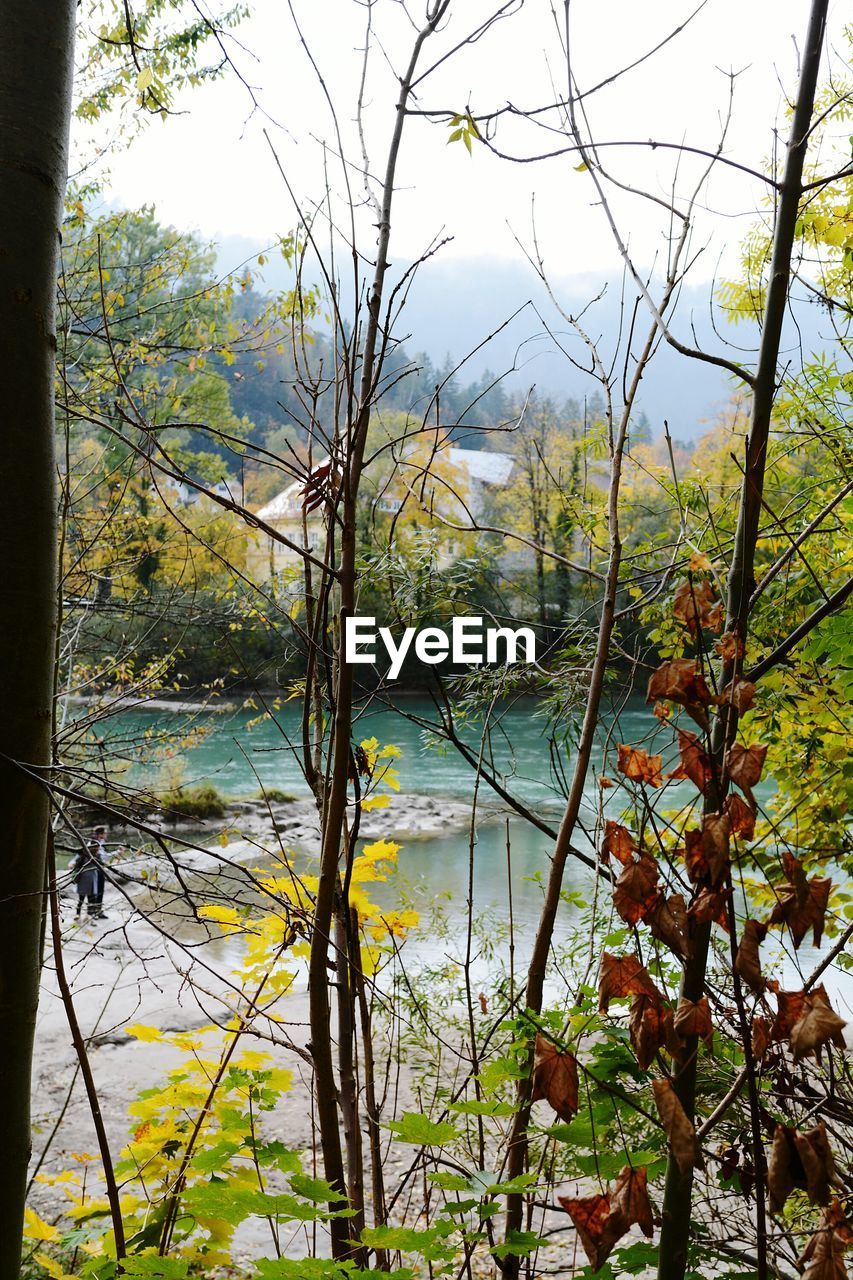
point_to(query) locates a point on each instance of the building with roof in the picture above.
(460, 481)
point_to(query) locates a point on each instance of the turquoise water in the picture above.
(237, 755)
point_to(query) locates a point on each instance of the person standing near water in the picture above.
(85, 871)
(98, 843)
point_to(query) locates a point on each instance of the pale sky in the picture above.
(212, 169)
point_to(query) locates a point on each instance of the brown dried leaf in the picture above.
(693, 604)
(835, 1218)
(760, 1036)
(706, 853)
(823, 1256)
(740, 695)
(646, 1027)
(803, 1161)
(818, 1026)
(711, 904)
(622, 976)
(818, 1162)
(651, 1028)
(682, 681)
(555, 1077)
(694, 1019)
(730, 646)
(741, 817)
(319, 486)
(789, 1009)
(744, 766)
(602, 1220)
(630, 1199)
(639, 766)
(802, 903)
(617, 841)
(716, 831)
(714, 618)
(694, 856)
(636, 890)
(679, 681)
(793, 1007)
(590, 1217)
(668, 923)
(748, 960)
(784, 1171)
(694, 763)
(678, 1128)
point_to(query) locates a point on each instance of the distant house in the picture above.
(483, 471)
(186, 495)
(464, 478)
(285, 513)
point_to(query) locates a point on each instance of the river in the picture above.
(239, 752)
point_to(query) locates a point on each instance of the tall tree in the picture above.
(677, 1203)
(36, 69)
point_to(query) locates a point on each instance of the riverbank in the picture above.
(125, 970)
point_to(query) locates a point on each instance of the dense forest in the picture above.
(523, 960)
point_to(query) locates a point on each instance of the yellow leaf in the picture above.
(140, 1032)
(251, 1060)
(52, 1267)
(145, 79)
(226, 917)
(380, 851)
(281, 1080)
(375, 802)
(35, 1228)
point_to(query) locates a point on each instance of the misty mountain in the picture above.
(492, 314)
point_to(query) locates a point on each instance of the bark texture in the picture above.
(36, 65)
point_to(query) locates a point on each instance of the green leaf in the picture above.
(278, 1154)
(421, 1131)
(317, 1189)
(151, 1265)
(321, 1269)
(483, 1107)
(232, 1203)
(518, 1243)
(216, 1158)
(429, 1242)
(449, 1181)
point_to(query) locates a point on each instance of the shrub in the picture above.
(193, 802)
(276, 796)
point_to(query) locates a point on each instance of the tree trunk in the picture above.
(678, 1192)
(36, 67)
(353, 445)
(537, 969)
